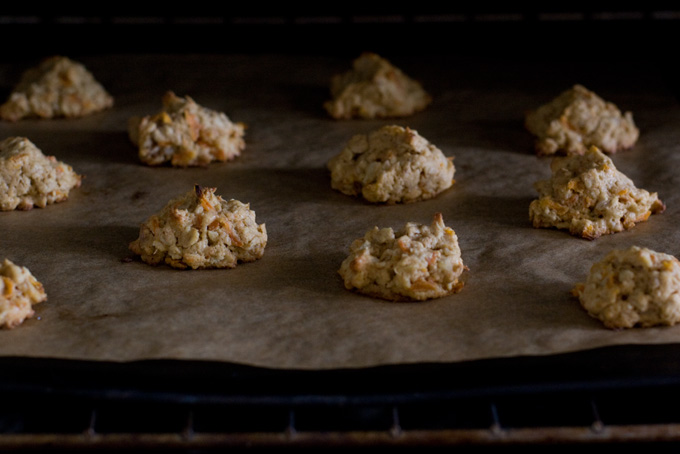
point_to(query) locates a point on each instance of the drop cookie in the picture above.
(185, 134)
(57, 87)
(28, 178)
(19, 291)
(201, 230)
(589, 197)
(634, 287)
(417, 263)
(374, 88)
(391, 165)
(578, 119)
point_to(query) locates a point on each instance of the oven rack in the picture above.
(308, 421)
(560, 402)
(341, 421)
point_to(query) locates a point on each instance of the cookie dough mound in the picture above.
(19, 291)
(201, 230)
(578, 119)
(58, 87)
(374, 88)
(417, 263)
(633, 287)
(30, 179)
(391, 165)
(589, 197)
(186, 134)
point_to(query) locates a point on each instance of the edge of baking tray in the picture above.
(196, 381)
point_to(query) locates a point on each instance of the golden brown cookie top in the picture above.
(415, 263)
(200, 229)
(589, 197)
(184, 133)
(578, 119)
(374, 88)
(19, 291)
(392, 164)
(28, 178)
(57, 87)
(633, 287)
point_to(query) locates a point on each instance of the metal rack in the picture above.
(532, 420)
(611, 396)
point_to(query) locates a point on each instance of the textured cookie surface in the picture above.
(416, 263)
(589, 197)
(19, 291)
(374, 88)
(634, 287)
(57, 87)
(201, 230)
(185, 133)
(391, 165)
(578, 119)
(30, 179)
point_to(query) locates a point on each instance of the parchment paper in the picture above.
(290, 309)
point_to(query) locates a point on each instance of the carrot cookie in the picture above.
(589, 197)
(186, 134)
(374, 88)
(417, 263)
(578, 119)
(30, 179)
(19, 291)
(633, 287)
(391, 165)
(58, 87)
(201, 230)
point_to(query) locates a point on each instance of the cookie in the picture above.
(391, 165)
(201, 230)
(578, 119)
(416, 263)
(57, 87)
(30, 179)
(374, 88)
(634, 287)
(185, 134)
(589, 197)
(19, 291)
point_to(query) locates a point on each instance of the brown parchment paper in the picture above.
(290, 309)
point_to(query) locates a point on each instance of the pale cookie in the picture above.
(186, 134)
(417, 263)
(201, 230)
(578, 119)
(391, 165)
(635, 287)
(589, 197)
(19, 291)
(374, 88)
(58, 87)
(30, 179)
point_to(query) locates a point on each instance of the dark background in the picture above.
(600, 30)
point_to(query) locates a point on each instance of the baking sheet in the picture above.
(290, 309)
